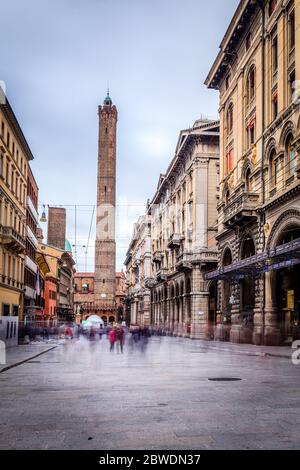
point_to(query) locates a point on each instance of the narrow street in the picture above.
(157, 395)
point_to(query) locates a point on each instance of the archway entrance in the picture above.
(287, 291)
(226, 293)
(212, 312)
(212, 308)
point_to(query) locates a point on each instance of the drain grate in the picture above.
(224, 379)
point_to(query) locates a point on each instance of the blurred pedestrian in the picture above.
(112, 338)
(120, 336)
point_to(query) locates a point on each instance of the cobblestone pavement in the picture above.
(157, 395)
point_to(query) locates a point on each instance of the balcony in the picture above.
(157, 256)
(162, 275)
(184, 262)
(29, 293)
(175, 240)
(29, 263)
(241, 209)
(150, 282)
(12, 239)
(32, 237)
(32, 209)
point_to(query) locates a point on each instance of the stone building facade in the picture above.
(59, 283)
(31, 267)
(85, 303)
(15, 155)
(138, 272)
(257, 74)
(183, 227)
(56, 234)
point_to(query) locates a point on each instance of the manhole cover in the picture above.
(224, 379)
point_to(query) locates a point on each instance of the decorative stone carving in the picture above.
(267, 229)
(253, 155)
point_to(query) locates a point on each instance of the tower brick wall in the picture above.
(56, 227)
(105, 246)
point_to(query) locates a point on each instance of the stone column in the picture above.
(200, 307)
(218, 327)
(236, 325)
(272, 334)
(258, 311)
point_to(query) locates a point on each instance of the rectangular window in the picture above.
(272, 6)
(15, 310)
(8, 269)
(5, 216)
(292, 79)
(274, 54)
(3, 266)
(275, 106)
(1, 165)
(251, 133)
(229, 162)
(5, 310)
(7, 174)
(292, 30)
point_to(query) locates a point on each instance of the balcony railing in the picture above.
(241, 208)
(184, 262)
(12, 239)
(175, 240)
(150, 282)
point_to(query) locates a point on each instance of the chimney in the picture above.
(57, 227)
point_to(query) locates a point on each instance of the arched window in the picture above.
(229, 119)
(290, 155)
(271, 7)
(251, 85)
(273, 169)
(248, 180)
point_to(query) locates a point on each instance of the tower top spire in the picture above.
(107, 101)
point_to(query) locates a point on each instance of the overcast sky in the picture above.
(58, 56)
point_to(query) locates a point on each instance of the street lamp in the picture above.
(43, 216)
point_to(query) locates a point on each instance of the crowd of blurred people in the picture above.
(115, 333)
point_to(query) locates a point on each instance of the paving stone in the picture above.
(158, 399)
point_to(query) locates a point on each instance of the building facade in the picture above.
(59, 283)
(257, 74)
(138, 271)
(105, 245)
(31, 267)
(85, 303)
(14, 157)
(183, 227)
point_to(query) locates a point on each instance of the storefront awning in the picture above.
(283, 256)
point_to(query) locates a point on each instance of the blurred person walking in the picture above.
(120, 335)
(112, 336)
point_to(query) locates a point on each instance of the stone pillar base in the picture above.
(257, 336)
(222, 332)
(203, 331)
(272, 336)
(175, 329)
(241, 334)
(180, 330)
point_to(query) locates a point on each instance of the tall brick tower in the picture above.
(105, 248)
